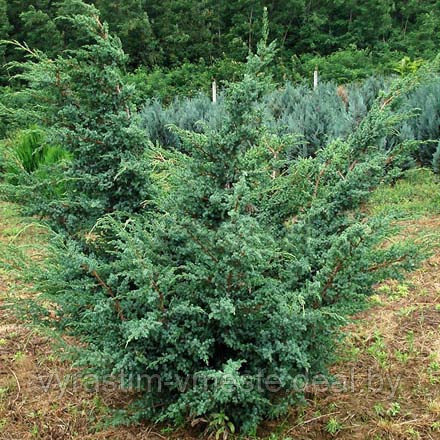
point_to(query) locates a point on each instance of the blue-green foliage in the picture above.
(190, 114)
(235, 279)
(315, 116)
(90, 112)
(321, 115)
(241, 273)
(425, 126)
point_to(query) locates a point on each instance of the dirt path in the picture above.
(389, 371)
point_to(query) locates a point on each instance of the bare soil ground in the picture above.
(389, 372)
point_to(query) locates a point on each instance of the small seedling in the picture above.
(394, 409)
(379, 409)
(402, 357)
(410, 339)
(35, 431)
(434, 407)
(413, 433)
(401, 291)
(433, 371)
(377, 350)
(436, 426)
(221, 425)
(434, 366)
(406, 311)
(3, 392)
(375, 300)
(385, 289)
(333, 426)
(19, 356)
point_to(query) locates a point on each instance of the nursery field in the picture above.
(387, 373)
(261, 261)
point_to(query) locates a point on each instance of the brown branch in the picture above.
(336, 270)
(332, 277)
(18, 385)
(386, 102)
(101, 27)
(204, 248)
(110, 292)
(161, 298)
(93, 141)
(275, 154)
(389, 160)
(387, 263)
(351, 167)
(229, 281)
(318, 180)
(59, 85)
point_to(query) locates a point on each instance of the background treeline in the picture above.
(184, 43)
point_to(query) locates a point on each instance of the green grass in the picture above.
(8, 214)
(18, 229)
(416, 194)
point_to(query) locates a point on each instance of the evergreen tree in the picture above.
(90, 113)
(415, 29)
(129, 21)
(425, 125)
(39, 31)
(184, 31)
(5, 28)
(242, 273)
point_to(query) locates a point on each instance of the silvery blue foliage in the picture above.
(194, 114)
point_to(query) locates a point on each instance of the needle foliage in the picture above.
(234, 285)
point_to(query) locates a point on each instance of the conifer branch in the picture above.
(161, 297)
(331, 279)
(387, 263)
(318, 180)
(110, 292)
(202, 246)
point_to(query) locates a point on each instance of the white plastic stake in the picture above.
(214, 92)
(315, 78)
